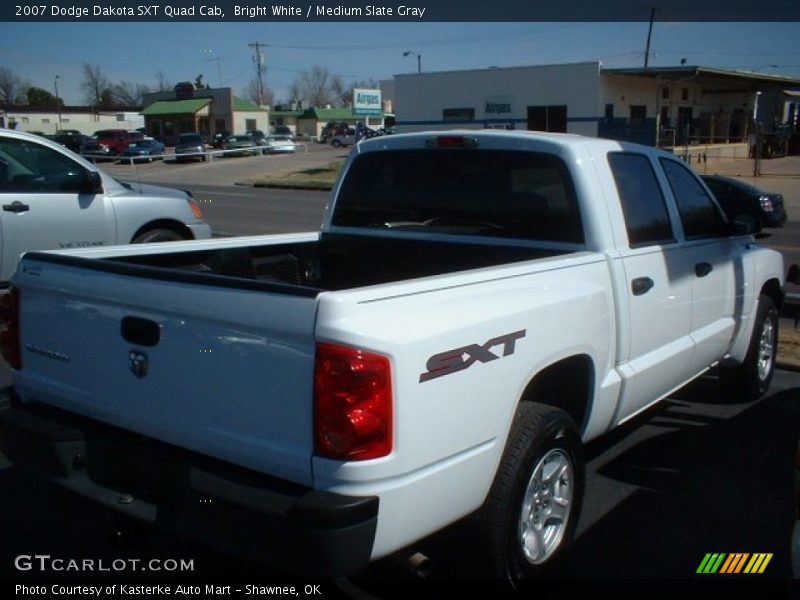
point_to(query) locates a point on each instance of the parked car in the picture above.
(110, 143)
(145, 150)
(347, 138)
(190, 146)
(71, 140)
(736, 197)
(218, 140)
(276, 144)
(241, 145)
(283, 130)
(51, 198)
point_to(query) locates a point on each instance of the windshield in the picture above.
(190, 139)
(462, 191)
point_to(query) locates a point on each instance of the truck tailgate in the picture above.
(215, 365)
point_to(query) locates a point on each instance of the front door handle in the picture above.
(641, 285)
(16, 207)
(702, 269)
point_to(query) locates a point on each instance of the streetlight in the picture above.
(419, 59)
(58, 102)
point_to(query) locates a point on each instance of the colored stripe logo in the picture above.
(734, 563)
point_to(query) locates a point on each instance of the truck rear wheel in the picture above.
(750, 380)
(533, 506)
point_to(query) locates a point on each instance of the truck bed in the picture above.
(334, 262)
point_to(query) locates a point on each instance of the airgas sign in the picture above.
(366, 102)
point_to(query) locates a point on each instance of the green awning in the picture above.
(176, 107)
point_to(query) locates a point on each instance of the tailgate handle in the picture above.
(142, 332)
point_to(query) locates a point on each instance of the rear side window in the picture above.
(495, 193)
(700, 216)
(646, 217)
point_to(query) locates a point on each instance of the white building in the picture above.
(81, 118)
(642, 105)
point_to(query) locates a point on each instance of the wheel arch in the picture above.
(567, 384)
(171, 224)
(773, 289)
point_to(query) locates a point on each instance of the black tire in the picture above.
(157, 235)
(541, 438)
(751, 379)
(336, 144)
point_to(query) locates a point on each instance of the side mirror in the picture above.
(93, 183)
(745, 224)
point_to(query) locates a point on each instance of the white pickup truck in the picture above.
(475, 307)
(53, 198)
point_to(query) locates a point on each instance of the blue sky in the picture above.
(136, 52)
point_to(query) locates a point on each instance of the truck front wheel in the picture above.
(532, 509)
(750, 380)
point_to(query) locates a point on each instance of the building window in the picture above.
(46, 121)
(458, 114)
(25, 120)
(249, 124)
(638, 115)
(65, 120)
(685, 94)
(609, 113)
(548, 118)
(665, 93)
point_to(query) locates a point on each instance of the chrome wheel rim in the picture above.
(766, 350)
(546, 507)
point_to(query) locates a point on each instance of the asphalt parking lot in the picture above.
(696, 474)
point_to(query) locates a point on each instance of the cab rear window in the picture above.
(524, 195)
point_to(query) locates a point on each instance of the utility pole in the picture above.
(649, 34)
(258, 58)
(58, 100)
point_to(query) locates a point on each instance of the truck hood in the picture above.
(130, 188)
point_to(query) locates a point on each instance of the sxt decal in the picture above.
(462, 358)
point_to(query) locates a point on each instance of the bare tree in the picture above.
(127, 93)
(95, 84)
(12, 87)
(315, 87)
(163, 84)
(254, 93)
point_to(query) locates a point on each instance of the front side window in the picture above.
(646, 217)
(29, 167)
(498, 193)
(700, 216)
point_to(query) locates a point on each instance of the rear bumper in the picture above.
(241, 512)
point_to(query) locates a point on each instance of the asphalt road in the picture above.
(243, 210)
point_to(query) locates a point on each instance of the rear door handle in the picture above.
(702, 269)
(16, 207)
(641, 285)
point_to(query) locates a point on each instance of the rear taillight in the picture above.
(9, 328)
(352, 403)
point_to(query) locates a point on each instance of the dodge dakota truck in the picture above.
(475, 307)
